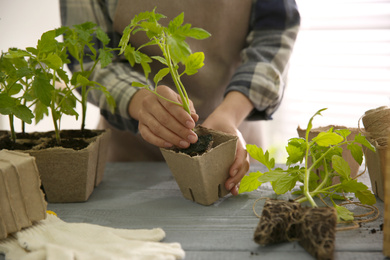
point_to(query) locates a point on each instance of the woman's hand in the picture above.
(226, 118)
(161, 122)
(240, 165)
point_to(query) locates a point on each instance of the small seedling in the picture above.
(174, 49)
(45, 67)
(16, 97)
(325, 153)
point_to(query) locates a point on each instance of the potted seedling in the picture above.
(71, 163)
(322, 158)
(16, 76)
(200, 174)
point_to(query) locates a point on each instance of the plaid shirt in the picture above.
(273, 29)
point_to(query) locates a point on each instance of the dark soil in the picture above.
(314, 228)
(74, 139)
(203, 144)
(75, 144)
(7, 143)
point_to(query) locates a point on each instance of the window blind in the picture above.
(341, 61)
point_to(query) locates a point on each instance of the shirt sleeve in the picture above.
(118, 75)
(262, 75)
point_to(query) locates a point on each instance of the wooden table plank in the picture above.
(145, 195)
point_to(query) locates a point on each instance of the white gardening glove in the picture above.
(54, 239)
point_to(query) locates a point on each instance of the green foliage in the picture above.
(325, 154)
(16, 75)
(79, 44)
(30, 77)
(175, 51)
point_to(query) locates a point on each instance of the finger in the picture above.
(237, 171)
(178, 112)
(151, 138)
(160, 123)
(167, 127)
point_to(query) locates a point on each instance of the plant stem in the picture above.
(176, 79)
(11, 123)
(53, 112)
(83, 106)
(307, 178)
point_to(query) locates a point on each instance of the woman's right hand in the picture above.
(161, 122)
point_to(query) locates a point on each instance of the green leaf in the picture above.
(105, 57)
(6, 101)
(198, 33)
(129, 53)
(110, 100)
(47, 43)
(160, 59)
(341, 166)
(102, 36)
(258, 154)
(352, 185)
(40, 110)
(23, 113)
(250, 182)
(343, 132)
(343, 213)
(296, 149)
(53, 61)
(32, 50)
(284, 184)
(145, 60)
(42, 89)
(24, 72)
(178, 48)
(63, 75)
(356, 152)
(152, 29)
(68, 106)
(83, 81)
(362, 140)
(366, 197)
(160, 75)
(125, 39)
(176, 23)
(15, 89)
(310, 124)
(139, 85)
(16, 54)
(327, 139)
(193, 63)
(272, 176)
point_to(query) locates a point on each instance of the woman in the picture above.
(242, 82)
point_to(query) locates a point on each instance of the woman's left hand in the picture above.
(240, 165)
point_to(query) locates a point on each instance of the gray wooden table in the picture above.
(145, 195)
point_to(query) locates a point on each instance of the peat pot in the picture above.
(70, 175)
(22, 201)
(202, 178)
(377, 129)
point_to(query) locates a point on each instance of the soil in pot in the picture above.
(74, 139)
(313, 228)
(204, 144)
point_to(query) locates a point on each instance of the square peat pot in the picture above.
(70, 175)
(376, 165)
(22, 201)
(202, 178)
(386, 187)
